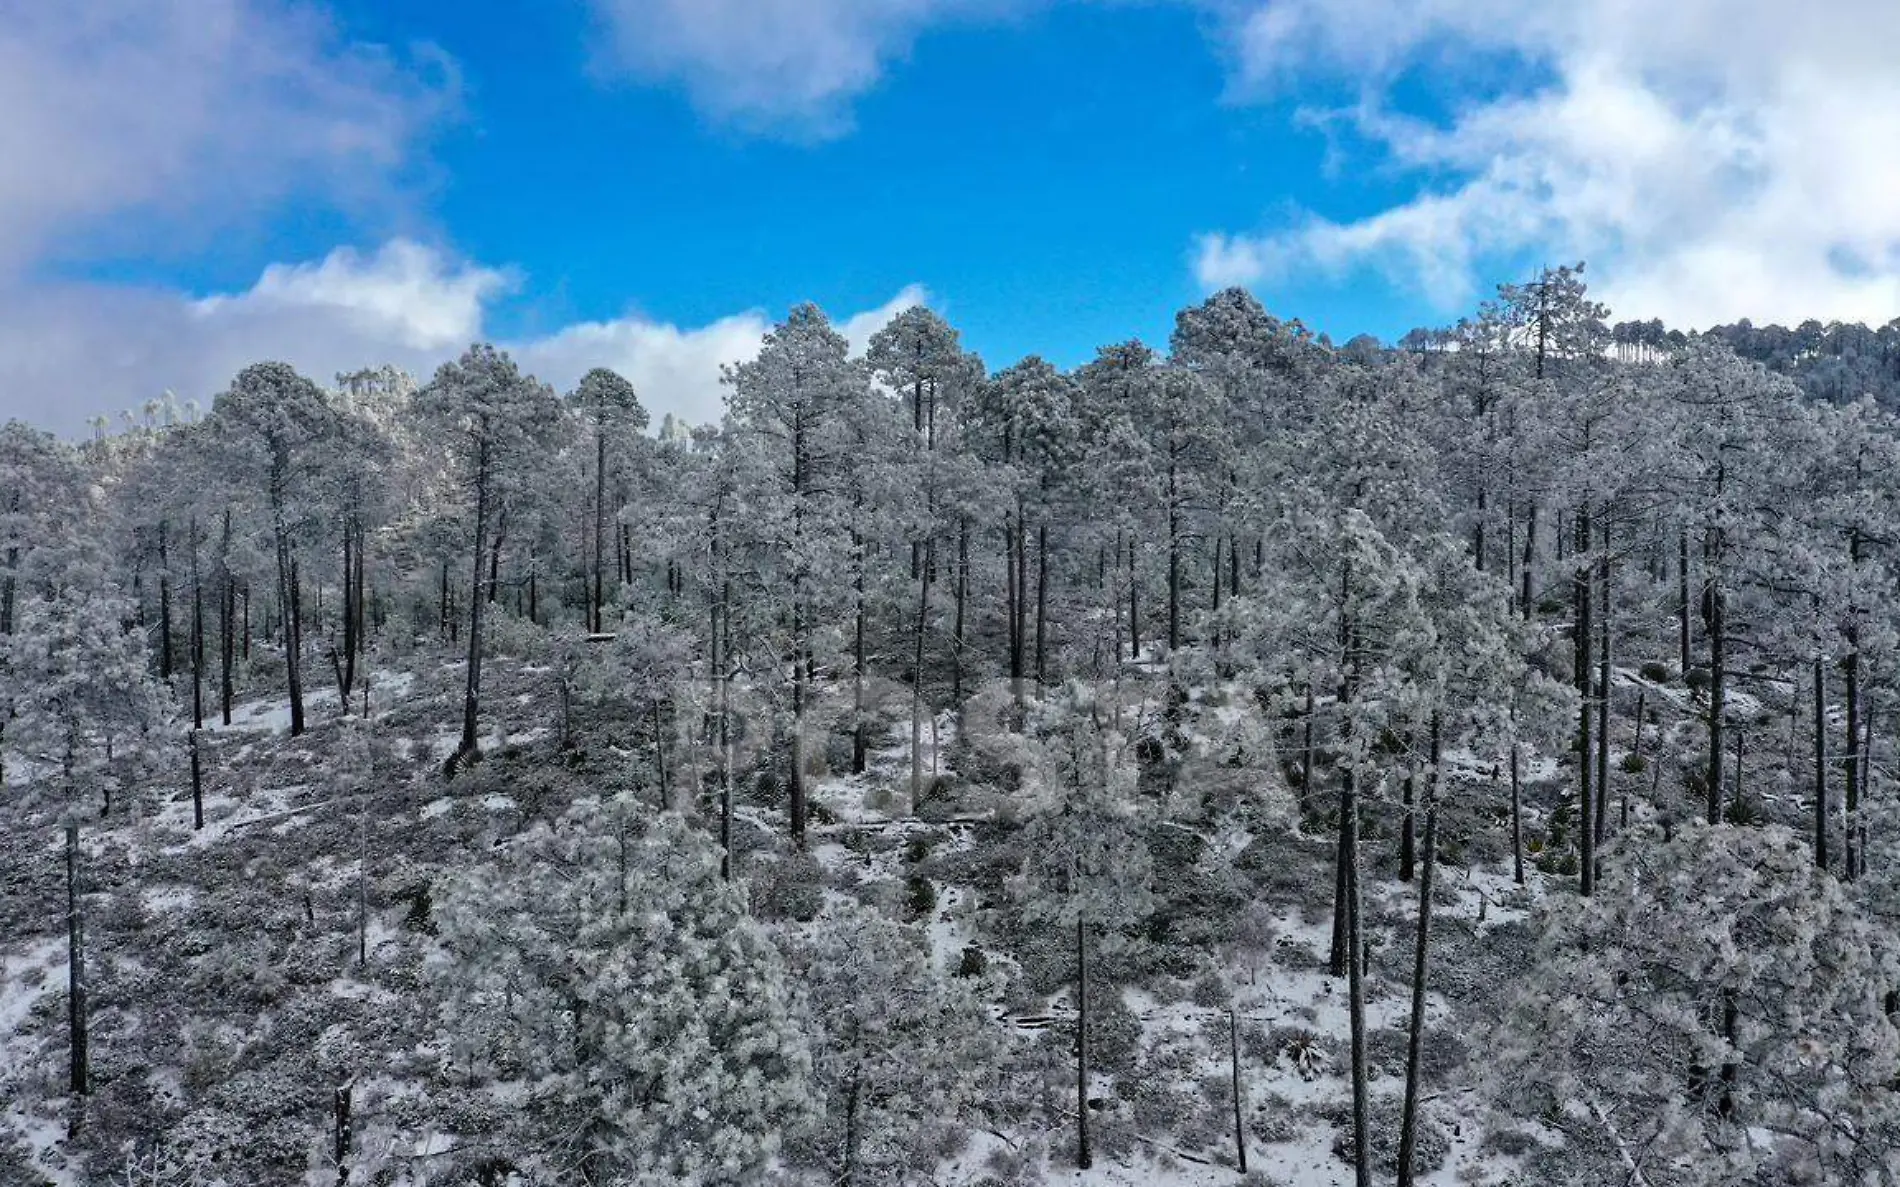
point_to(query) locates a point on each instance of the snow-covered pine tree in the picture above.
(602, 978)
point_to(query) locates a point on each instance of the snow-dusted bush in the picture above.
(607, 979)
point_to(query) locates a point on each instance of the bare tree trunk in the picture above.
(917, 679)
(1408, 832)
(1233, 1067)
(1174, 566)
(1134, 607)
(1682, 599)
(165, 665)
(472, 686)
(293, 646)
(1356, 1010)
(197, 785)
(1530, 558)
(860, 729)
(1718, 694)
(227, 611)
(1082, 1158)
(286, 587)
(1583, 599)
(197, 636)
(80, 1079)
(1042, 602)
(1415, 1035)
(1850, 755)
(1338, 957)
(1603, 697)
(1517, 819)
(1012, 619)
(1307, 799)
(963, 591)
(1636, 748)
(600, 521)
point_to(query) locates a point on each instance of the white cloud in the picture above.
(189, 112)
(677, 370)
(1713, 159)
(776, 65)
(68, 353)
(674, 370)
(406, 294)
(146, 126)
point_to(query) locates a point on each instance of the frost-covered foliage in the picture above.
(1197, 650)
(88, 714)
(901, 1055)
(1716, 1009)
(601, 980)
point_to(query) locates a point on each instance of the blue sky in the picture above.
(646, 183)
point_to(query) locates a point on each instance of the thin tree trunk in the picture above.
(1636, 748)
(860, 728)
(1415, 1036)
(600, 521)
(1011, 619)
(1307, 800)
(917, 680)
(80, 1079)
(1718, 695)
(165, 665)
(1042, 603)
(293, 645)
(1338, 957)
(963, 591)
(1850, 755)
(1174, 566)
(472, 686)
(1682, 598)
(1408, 831)
(1356, 1010)
(1233, 1067)
(1584, 598)
(197, 785)
(1603, 695)
(227, 611)
(1517, 819)
(197, 636)
(1134, 608)
(340, 1114)
(286, 594)
(1530, 557)
(1082, 1157)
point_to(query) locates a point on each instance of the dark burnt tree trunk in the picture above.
(1415, 1034)
(1583, 599)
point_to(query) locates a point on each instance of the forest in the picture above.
(1262, 761)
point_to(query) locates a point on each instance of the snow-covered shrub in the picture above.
(1723, 985)
(613, 984)
(788, 886)
(1307, 1052)
(900, 1055)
